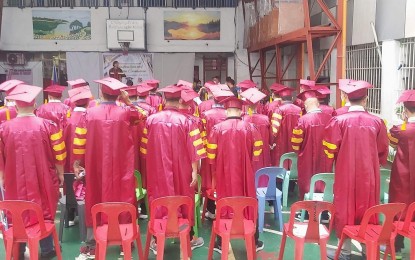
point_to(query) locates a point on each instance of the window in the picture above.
(407, 68)
(363, 63)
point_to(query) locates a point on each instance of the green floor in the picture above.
(272, 241)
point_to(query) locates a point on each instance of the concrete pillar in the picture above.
(390, 80)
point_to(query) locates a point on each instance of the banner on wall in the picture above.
(25, 75)
(137, 67)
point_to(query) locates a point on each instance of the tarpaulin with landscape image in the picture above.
(61, 25)
(192, 25)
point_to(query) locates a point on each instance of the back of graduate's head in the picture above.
(233, 112)
(358, 101)
(410, 110)
(287, 98)
(311, 104)
(108, 97)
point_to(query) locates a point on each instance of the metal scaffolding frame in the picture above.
(302, 38)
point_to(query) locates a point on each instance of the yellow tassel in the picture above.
(206, 96)
(68, 114)
(239, 96)
(160, 107)
(270, 99)
(196, 112)
(403, 126)
(46, 101)
(250, 111)
(343, 102)
(7, 114)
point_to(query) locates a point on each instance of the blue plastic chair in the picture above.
(269, 193)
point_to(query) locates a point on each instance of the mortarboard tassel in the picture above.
(343, 102)
(160, 107)
(403, 126)
(68, 114)
(7, 114)
(196, 114)
(206, 96)
(270, 99)
(46, 101)
(250, 111)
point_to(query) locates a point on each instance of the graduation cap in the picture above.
(80, 95)
(408, 98)
(232, 102)
(253, 95)
(111, 86)
(343, 82)
(77, 83)
(171, 91)
(152, 82)
(276, 87)
(355, 89)
(9, 85)
(188, 95)
(323, 91)
(208, 84)
(307, 94)
(185, 83)
(285, 92)
(143, 90)
(307, 84)
(246, 84)
(132, 91)
(24, 95)
(221, 92)
(55, 90)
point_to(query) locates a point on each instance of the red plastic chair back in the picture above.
(409, 217)
(113, 210)
(18, 211)
(314, 209)
(389, 212)
(171, 205)
(237, 209)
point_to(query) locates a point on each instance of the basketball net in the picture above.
(124, 47)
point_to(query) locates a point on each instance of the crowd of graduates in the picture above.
(170, 136)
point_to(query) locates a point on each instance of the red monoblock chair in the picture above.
(170, 226)
(31, 235)
(407, 228)
(374, 235)
(236, 227)
(114, 233)
(311, 232)
(210, 194)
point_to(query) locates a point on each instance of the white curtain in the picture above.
(85, 65)
(171, 67)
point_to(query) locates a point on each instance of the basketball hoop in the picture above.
(124, 47)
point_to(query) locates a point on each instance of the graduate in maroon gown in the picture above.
(358, 143)
(143, 90)
(154, 98)
(208, 102)
(323, 93)
(8, 112)
(402, 181)
(80, 98)
(76, 83)
(253, 96)
(54, 110)
(275, 100)
(345, 100)
(193, 98)
(243, 86)
(284, 119)
(103, 145)
(173, 147)
(36, 176)
(307, 142)
(235, 144)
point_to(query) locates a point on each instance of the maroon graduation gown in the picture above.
(358, 143)
(7, 113)
(234, 145)
(29, 149)
(106, 146)
(307, 141)
(206, 105)
(54, 111)
(271, 107)
(283, 121)
(155, 101)
(328, 109)
(171, 144)
(210, 118)
(402, 183)
(342, 110)
(78, 116)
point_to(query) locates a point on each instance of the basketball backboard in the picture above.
(132, 31)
